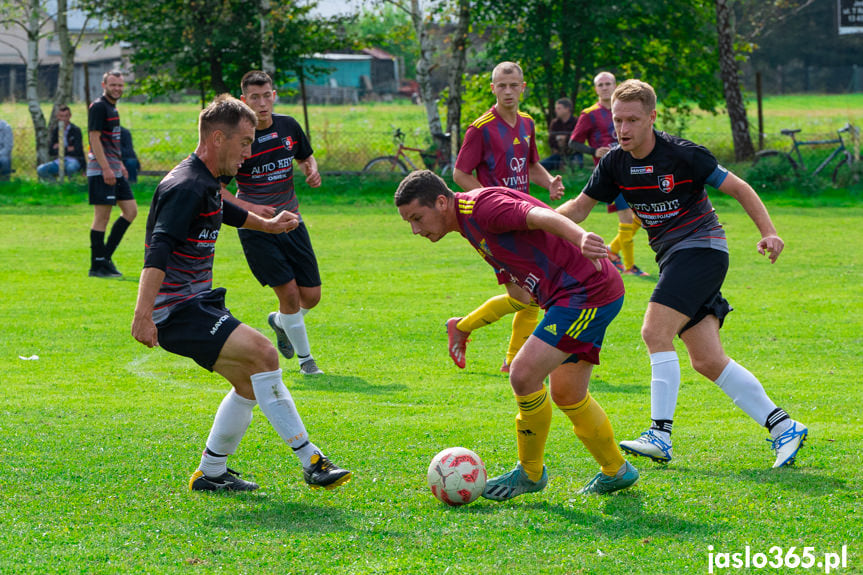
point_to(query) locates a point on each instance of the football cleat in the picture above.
(615, 259)
(602, 484)
(636, 271)
(228, 481)
(788, 444)
(309, 367)
(513, 484)
(101, 270)
(505, 367)
(109, 265)
(649, 444)
(324, 473)
(456, 341)
(282, 342)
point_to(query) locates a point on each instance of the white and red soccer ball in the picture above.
(456, 476)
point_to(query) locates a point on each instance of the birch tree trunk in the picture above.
(743, 149)
(268, 60)
(456, 73)
(424, 69)
(39, 127)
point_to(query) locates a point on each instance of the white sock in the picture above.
(664, 384)
(304, 311)
(295, 327)
(278, 405)
(746, 391)
(230, 424)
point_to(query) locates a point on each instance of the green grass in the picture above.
(100, 434)
(346, 137)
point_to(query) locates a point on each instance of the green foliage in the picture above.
(100, 434)
(387, 27)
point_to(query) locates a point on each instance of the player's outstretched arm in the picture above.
(309, 167)
(592, 246)
(578, 209)
(540, 176)
(770, 243)
(466, 181)
(143, 328)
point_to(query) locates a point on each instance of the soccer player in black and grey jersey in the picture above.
(662, 178)
(107, 177)
(178, 310)
(265, 182)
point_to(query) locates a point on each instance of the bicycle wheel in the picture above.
(780, 161)
(846, 173)
(385, 165)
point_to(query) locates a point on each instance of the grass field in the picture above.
(346, 137)
(100, 434)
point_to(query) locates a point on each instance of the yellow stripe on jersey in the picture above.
(466, 206)
(483, 120)
(581, 323)
(524, 115)
(590, 109)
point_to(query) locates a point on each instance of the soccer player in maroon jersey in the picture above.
(595, 127)
(566, 270)
(663, 178)
(265, 185)
(178, 310)
(500, 146)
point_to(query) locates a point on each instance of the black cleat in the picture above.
(282, 342)
(324, 473)
(109, 265)
(100, 270)
(228, 481)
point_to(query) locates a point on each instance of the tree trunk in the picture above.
(40, 129)
(456, 73)
(217, 82)
(424, 70)
(268, 60)
(63, 95)
(743, 149)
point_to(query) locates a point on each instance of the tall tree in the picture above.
(458, 60)
(743, 149)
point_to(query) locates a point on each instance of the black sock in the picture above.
(97, 247)
(117, 230)
(776, 416)
(662, 425)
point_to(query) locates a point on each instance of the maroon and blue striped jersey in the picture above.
(553, 270)
(501, 154)
(666, 190)
(595, 127)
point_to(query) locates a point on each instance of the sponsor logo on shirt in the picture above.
(517, 164)
(552, 329)
(666, 183)
(640, 170)
(267, 137)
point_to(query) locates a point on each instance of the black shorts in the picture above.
(276, 259)
(198, 328)
(690, 281)
(101, 194)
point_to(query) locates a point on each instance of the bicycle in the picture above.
(435, 157)
(781, 159)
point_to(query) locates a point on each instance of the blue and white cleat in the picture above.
(649, 444)
(788, 444)
(513, 484)
(602, 484)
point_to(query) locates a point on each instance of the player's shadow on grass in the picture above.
(344, 383)
(809, 481)
(599, 384)
(279, 515)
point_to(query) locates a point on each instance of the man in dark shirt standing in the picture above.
(663, 179)
(107, 178)
(265, 185)
(178, 310)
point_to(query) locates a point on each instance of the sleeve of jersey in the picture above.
(233, 215)
(579, 134)
(601, 185)
(704, 166)
(176, 211)
(95, 118)
(499, 214)
(305, 146)
(470, 154)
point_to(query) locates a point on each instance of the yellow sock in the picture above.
(614, 246)
(532, 424)
(627, 246)
(523, 324)
(593, 428)
(489, 312)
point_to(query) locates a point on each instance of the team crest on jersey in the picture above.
(517, 164)
(635, 170)
(666, 183)
(288, 142)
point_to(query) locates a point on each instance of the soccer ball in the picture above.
(456, 476)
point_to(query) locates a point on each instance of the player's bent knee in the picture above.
(709, 367)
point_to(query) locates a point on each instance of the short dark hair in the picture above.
(224, 113)
(422, 185)
(565, 102)
(255, 78)
(62, 108)
(115, 72)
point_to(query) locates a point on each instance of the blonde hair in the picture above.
(636, 91)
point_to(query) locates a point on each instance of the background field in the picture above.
(101, 434)
(346, 137)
